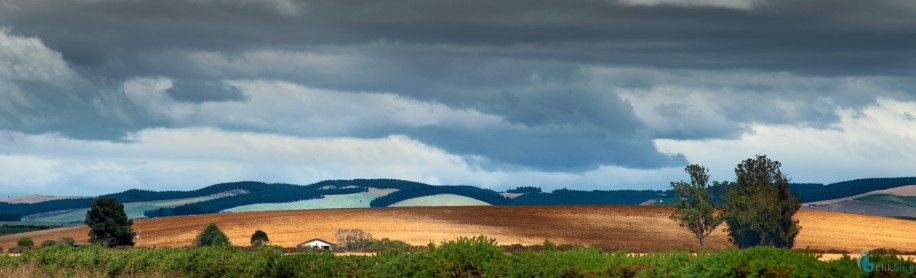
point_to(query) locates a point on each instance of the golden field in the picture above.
(633, 227)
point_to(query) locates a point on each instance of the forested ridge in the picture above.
(252, 192)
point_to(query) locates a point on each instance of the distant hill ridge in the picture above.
(260, 192)
(31, 199)
(812, 192)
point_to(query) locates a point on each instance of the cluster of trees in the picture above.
(10, 217)
(581, 197)
(16, 229)
(347, 239)
(188, 209)
(26, 243)
(758, 207)
(67, 241)
(524, 189)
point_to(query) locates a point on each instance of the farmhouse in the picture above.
(317, 243)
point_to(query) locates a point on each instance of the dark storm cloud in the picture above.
(198, 92)
(817, 37)
(520, 60)
(81, 111)
(552, 130)
(551, 148)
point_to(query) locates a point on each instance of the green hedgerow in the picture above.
(465, 257)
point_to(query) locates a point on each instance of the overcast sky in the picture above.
(100, 96)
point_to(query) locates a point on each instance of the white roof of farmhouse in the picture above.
(317, 239)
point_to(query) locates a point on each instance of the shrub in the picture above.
(465, 257)
(67, 241)
(9, 261)
(48, 243)
(211, 236)
(259, 238)
(385, 244)
(765, 262)
(309, 265)
(353, 239)
(25, 242)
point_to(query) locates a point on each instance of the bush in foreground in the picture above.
(465, 257)
(69, 241)
(48, 243)
(25, 242)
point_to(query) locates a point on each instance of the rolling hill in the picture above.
(446, 200)
(259, 196)
(896, 202)
(813, 192)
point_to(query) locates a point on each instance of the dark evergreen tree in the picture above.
(108, 224)
(760, 206)
(211, 236)
(10, 217)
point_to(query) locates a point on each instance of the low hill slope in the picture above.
(813, 192)
(637, 228)
(355, 200)
(897, 201)
(133, 210)
(442, 200)
(31, 199)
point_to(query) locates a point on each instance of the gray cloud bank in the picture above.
(568, 85)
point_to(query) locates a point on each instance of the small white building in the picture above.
(317, 243)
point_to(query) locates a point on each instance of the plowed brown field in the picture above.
(634, 227)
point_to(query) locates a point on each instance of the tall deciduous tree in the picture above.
(697, 210)
(108, 224)
(760, 206)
